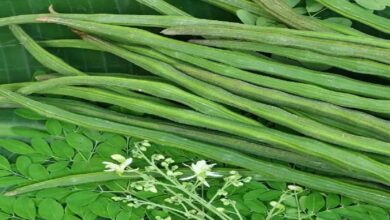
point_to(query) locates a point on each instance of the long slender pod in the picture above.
(132, 35)
(235, 5)
(206, 136)
(355, 12)
(283, 12)
(356, 162)
(43, 56)
(283, 99)
(356, 65)
(139, 95)
(43, 77)
(346, 116)
(377, 197)
(163, 7)
(162, 90)
(173, 21)
(334, 123)
(96, 177)
(268, 112)
(301, 89)
(224, 6)
(352, 141)
(378, 128)
(320, 45)
(54, 63)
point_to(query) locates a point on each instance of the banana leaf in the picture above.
(17, 65)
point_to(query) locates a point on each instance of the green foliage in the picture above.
(292, 3)
(373, 4)
(246, 17)
(25, 207)
(4, 164)
(15, 146)
(61, 149)
(79, 142)
(41, 146)
(339, 20)
(58, 155)
(313, 6)
(314, 202)
(28, 114)
(50, 209)
(53, 127)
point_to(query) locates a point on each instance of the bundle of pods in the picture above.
(221, 94)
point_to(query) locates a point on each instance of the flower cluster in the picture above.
(278, 207)
(202, 170)
(162, 173)
(118, 168)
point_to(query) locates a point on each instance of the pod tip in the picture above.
(168, 31)
(51, 10)
(10, 193)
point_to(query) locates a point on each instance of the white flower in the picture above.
(150, 188)
(118, 168)
(202, 170)
(247, 179)
(167, 218)
(295, 188)
(146, 143)
(118, 158)
(227, 202)
(277, 205)
(220, 209)
(158, 157)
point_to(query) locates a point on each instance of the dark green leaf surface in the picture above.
(53, 127)
(15, 146)
(4, 164)
(22, 164)
(41, 146)
(50, 209)
(79, 142)
(25, 207)
(314, 202)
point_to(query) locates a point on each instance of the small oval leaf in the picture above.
(22, 164)
(54, 127)
(61, 149)
(38, 172)
(41, 146)
(4, 164)
(79, 142)
(314, 202)
(16, 147)
(25, 207)
(50, 209)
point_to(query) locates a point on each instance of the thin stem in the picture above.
(173, 181)
(298, 205)
(145, 202)
(216, 194)
(271, 212)
(192, 195)
(237, 212)
(188, 202)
